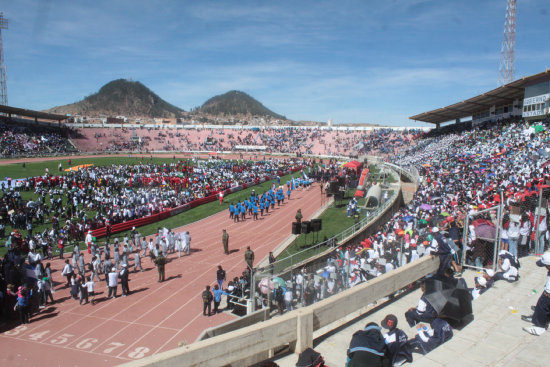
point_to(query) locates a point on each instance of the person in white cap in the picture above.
(116, 254)
(178, 244)
(134, 237)
(542, 310)
(508, 266)
(137, 261)
(144, 246)
(480, 287)
(164, 246)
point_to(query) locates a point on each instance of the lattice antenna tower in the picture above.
(508, 51)
(3, 87)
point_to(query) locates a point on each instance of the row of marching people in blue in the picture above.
(257, 204)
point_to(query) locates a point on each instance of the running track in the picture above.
(155, 317)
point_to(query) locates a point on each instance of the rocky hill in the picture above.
(235, 103)
(121, 98)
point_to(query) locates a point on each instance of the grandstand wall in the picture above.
(536, 104)
(498, 112)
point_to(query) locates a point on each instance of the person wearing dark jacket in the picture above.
(160, 262)
(541, 316)
(310, 358)
(249, 257)
(428, 339)
(123, 275)
(207, 298)
(396, 341)
(423, 312)
(368, 349)
(443, 250)
(220, 276)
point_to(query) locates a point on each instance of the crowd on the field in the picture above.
(96, 196)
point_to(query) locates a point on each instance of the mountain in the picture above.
(122, 98)
(236, 103)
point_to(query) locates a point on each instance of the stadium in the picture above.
(300, 242)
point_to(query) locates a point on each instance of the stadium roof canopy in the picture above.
(30, 113)
(499, 96)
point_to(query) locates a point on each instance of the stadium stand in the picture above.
(32, 141)
(274, 140)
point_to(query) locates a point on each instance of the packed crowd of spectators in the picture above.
(275, 140)
(33, 140)
(20, 141)
(461, 175)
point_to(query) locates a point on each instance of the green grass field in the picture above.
(31, 169)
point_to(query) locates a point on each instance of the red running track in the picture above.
(155, 317)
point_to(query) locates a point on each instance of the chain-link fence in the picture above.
(519, 225)
(525, 223)
(541, 220)
(481, 238)
(324, 276)
(307, 283)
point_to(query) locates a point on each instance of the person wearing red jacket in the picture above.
(60, 246)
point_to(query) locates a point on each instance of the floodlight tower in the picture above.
(508, 50)
(3, 87)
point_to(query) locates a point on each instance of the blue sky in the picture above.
(349, 61)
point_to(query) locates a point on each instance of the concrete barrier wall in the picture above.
(294, 328)
(342, 304)
(253, 318)
(225, 349)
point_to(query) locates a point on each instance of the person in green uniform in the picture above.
(160, 261)
(249, 257)
(225, 241)
(299, 216)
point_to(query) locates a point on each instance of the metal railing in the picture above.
(286, 268)
(298, 257)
